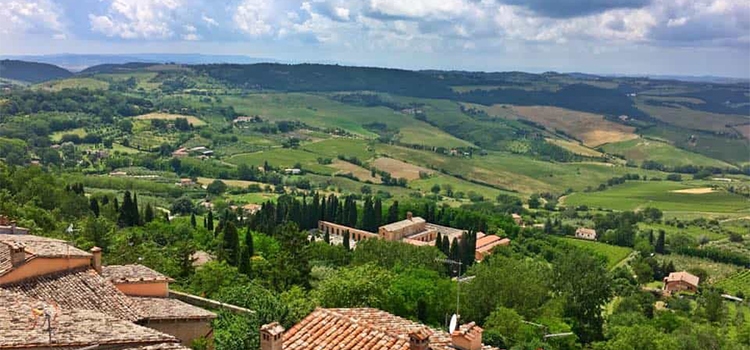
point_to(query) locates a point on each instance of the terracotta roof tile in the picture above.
(403, 223)
(360, 329)
(81, 288)
(22, 325)
(132, 274)
(683, 276)
(169, 309)
(44, 246)
(162, 346)
(5, 264)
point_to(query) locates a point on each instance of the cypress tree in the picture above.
(651, 237)
(105, 200)
(94, 205)
(327, 237)
(346, 240)
(393, 213)
(231, 244)
(116, 204)
(125, 217)
(446, 246)
(323, 211)
(135, 216)
(247, 254)
(193, 222)
(210, 221)
(659, 247)
(378, 211)
(368, 216)
(439, 242)
(148, 213)
(454, 252)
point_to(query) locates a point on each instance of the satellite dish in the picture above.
(453, 324)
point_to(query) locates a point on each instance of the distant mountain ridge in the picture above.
(31, 72)
(79, 62)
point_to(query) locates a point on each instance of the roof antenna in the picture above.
(454, 319)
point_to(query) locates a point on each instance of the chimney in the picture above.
(420, 339)
(96, 259)
(272, 337)
(409, 215)
(17, 254)
(467, 337)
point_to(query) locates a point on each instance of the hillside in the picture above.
(31, 72)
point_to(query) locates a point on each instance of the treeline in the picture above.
(96, 102)
(699, 172)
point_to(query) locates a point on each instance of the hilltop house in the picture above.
(54, 295)
(586, 233)
(680, 281)
(366, 328)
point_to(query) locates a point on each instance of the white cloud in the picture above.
(209, 21)
(130, 19)
(422, 9)
(252, 17)
(342, 13)
(18, 17)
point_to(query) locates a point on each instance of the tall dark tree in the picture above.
(230, 244)
(327, 237)
(346, 243)
(439, 242)
(659, 247)
(193, 222)
(247, 254)
(446, 246)
(135, 215)
(368, 216)
(148, 213)
(393, 213)
(116, 204)
(378, 209)
(210, 221)
(125, 218)
(94, 206)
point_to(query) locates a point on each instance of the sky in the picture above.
(679, 37)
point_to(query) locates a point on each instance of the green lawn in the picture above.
(283, 158)
(641, 149)
(634, 195)
(57, 135)
(614, 254)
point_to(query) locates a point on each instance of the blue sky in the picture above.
(686, 37)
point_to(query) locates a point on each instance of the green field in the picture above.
(634, 195)
(457, 185)
(642, 149)
(75, 83)
(614, 254)
(692, 230)
(348, 147)
(283, 158)
(716, 271)
(737, 282)
(322, 112)
(57, 136)
(516, 172)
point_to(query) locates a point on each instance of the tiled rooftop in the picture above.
(403, 223)
(45, 247)
(162, 346)
(76, 289)
(169, 309)
(361, 328)
(684, 277)
(23, 325)
(5, 264)
(132, 274)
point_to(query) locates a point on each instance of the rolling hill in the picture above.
(31, 72)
